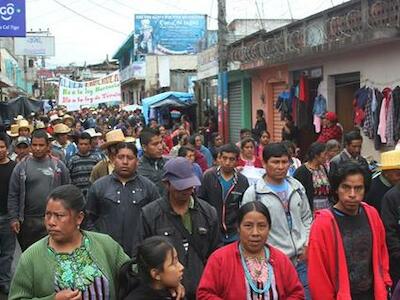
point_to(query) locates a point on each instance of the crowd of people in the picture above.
(105, 207)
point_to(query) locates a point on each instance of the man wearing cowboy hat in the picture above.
(95, 143)
(62, 147)
(384, 180)
(24, 128)
(390, 213)
(106, 166)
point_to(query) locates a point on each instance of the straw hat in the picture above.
(113, 137)
(61, 129)
(25, 124)
(19, 118)
(68, 117)
(54, 118)
(130, 139)
(92, 132)
(390, 160)
(40, 125)
(13, 132)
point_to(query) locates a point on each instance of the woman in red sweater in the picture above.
(248, 156)
(250, 269)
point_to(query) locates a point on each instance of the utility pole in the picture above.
(223, 115)
(222, 36)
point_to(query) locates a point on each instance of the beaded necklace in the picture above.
(253, 285)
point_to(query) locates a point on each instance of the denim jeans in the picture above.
(301, 269)
(7, 248)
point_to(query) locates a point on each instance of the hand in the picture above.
(15, 226)
(304, 254)
(179, 292)
(69, 295)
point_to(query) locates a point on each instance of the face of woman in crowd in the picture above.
(61, 222)
(332, 153)
(172, 273)
(253, 232)
(218, 141)
(321, 158)
(248, 150)
(264, 139)
(198, 142)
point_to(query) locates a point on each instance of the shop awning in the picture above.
(173, 99)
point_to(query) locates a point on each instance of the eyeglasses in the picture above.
(347, 188)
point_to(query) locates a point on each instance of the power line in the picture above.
(259, 15)
(109, 10)
(290, 10)
(89, 19)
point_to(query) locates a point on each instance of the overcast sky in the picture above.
(79, 40)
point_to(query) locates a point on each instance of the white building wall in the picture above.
(379, 67)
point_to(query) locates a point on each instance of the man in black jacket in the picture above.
(390, 214)
(114, 201)
(190, 223)
(151, 165)
(352, 152)
(223, 187)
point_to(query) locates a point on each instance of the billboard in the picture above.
(12, 18)
(168, 34)
(35, 46)
(74, 94)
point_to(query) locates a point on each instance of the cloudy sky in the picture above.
(79, 39)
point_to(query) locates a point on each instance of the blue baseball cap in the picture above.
(179, 172)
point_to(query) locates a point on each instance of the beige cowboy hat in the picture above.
(61, 129)
(390, 160)
(25, 124)
(68, 117)
(113, 137)
(40, 125)
(19, 118)
(13, 132)
(54, 118)
(130, 139)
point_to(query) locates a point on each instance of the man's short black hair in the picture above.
(147, 134)
(125, 145)
(5, 139)
(84, 136)
(40, 134)
(354, 135)
(229, 148)
(245, 130)
(183, 151)
(275, 150)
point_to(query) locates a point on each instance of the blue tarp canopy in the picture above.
(173, 99)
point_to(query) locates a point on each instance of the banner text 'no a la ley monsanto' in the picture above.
(74, 94)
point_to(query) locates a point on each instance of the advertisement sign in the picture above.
(168, 34)
(12, 18)
(74, 94)
(35, 46)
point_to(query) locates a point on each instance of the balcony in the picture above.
(353, 24)
(135, 71)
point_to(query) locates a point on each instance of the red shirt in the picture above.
(223, 276)
(327, 268)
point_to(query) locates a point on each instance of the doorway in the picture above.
(346, 85)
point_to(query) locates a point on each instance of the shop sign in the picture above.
(12, 18)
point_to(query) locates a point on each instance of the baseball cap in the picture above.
(22, 140)
(179, 172)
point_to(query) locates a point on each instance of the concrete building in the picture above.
(338, 51)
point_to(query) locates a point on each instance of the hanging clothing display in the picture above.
(303, 89)
(284, 104)
(319, 110)
(378, 113)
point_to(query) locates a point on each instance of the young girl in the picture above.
(156, 273)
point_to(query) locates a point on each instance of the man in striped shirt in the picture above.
(81, 164)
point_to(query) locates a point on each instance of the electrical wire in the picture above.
(259, 15)
(290, 9)
(110, 10)
(89, 19)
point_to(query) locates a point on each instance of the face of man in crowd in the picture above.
(62, 138)
(350, 194)
(228, 162)
(84, 146)
(154, 149)
(190, 155)
(3, 151)
(393, 176)
(180, 196)
(277, 167)
(22, 150)
(125, 163)
(153, 124)
(354, 148)
(40, 148)
(198, 142)
(218, 141)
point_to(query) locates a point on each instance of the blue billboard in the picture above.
(168, 34)
(12, 18)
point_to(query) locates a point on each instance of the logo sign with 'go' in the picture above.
(12, 18)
